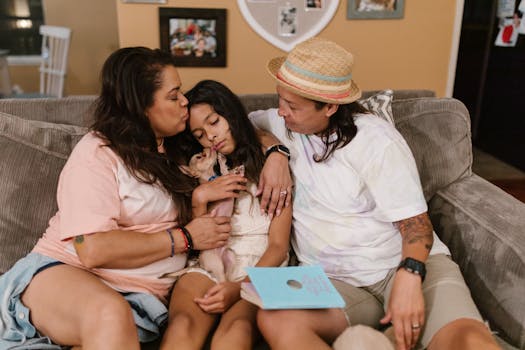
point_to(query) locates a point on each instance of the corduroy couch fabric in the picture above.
(483, 226)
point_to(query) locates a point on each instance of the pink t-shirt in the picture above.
(96, 193)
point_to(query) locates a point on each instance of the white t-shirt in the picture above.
(344, 207)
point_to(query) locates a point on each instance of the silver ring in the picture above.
(416, 326)
(283, 193)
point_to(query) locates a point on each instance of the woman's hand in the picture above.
(220, 297)
(406, 309)
(275, 184)
(208, 232)
(225, 186)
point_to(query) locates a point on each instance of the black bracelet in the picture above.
(188, 237)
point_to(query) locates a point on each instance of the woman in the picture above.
(92, 279)
(218, 121)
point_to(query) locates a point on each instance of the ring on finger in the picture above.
(283, 193)
(416, 326)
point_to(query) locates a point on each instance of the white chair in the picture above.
(5, 81)
(55, 47)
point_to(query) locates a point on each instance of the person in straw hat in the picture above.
(359, 211)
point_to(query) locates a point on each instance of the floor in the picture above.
(503, 175)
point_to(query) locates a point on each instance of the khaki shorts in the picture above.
(447, 298)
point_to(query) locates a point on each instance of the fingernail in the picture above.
(271, 216)
(278, 212)
(262, 212)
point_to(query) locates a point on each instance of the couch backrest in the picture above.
(74, 110)
(438, 133)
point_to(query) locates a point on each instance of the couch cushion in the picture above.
(438, 133)
(74, 110)
(33, 154)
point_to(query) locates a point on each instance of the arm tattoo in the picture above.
(417, 229)
(79, 239)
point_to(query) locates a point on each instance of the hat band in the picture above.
(323, 87)
(315, 75)
(311, 92)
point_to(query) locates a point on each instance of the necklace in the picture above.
(161, 143)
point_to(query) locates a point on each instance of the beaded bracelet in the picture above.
(187, 235)
(172, 242)
(186, 243)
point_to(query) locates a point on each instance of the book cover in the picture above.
(292, 287)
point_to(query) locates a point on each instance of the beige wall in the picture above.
(413, 52)
(94, 36)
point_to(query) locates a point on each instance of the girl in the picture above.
(219, 121)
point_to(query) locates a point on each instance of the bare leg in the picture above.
(464, 334)
(188, 325)
(301, 329)
(74, 307)
(237, 329)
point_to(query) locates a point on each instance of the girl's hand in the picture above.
(225, 186)
(275, 184)
(220, 297)
(208, 232)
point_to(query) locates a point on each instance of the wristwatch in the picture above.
(278, 148)
(414, 266)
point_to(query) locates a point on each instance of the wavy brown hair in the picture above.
(342, 124)
(248, 149)
(130, 78)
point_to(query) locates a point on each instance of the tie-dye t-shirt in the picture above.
(344, 207)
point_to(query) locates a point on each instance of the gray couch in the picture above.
(483, 226)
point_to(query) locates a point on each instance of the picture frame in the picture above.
(284, 23)
(144, 1)
(375, 9)
(196, 37)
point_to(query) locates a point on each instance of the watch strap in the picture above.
(278, 148)
(413, 266)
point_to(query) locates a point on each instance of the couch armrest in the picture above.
(484, 229)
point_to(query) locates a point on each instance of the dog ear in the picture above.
(188, 171)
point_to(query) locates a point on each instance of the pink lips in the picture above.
(217, 146)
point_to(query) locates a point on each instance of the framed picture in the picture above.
(285, 23)
(195, 36)
(313, 5)
(144, 1)
(375, 9)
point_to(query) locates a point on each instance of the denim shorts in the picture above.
(16, 330)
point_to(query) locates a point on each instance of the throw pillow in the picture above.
(33, 154)
(380, 104)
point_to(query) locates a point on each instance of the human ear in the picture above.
(331, 108)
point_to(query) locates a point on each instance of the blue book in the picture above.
(292, 287)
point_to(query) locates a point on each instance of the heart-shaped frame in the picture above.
(262, 16)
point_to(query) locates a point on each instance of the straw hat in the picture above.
(317, 69)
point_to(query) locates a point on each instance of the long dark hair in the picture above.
(248, 149)
(342, 124)
(130, 78)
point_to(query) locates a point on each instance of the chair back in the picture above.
(55, 47)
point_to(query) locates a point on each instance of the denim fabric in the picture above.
(16, 330)
(43, 343)
(149, 313)
(15, 326)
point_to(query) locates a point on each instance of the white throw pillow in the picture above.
(380, 104)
